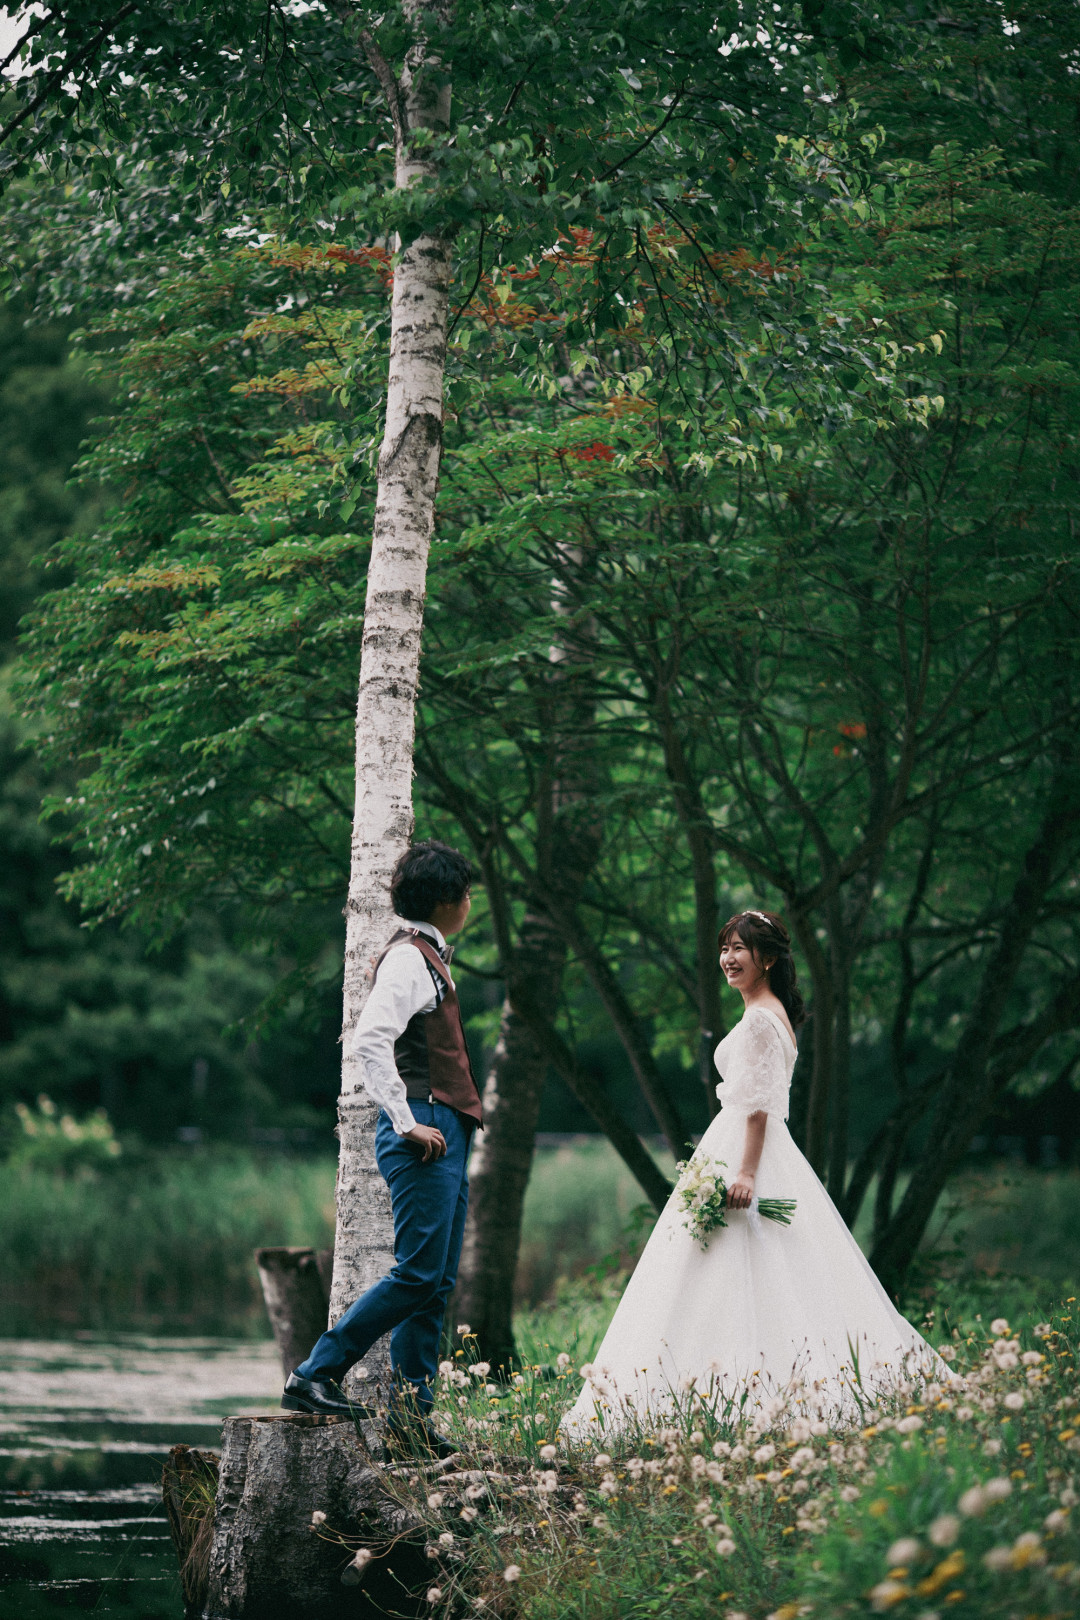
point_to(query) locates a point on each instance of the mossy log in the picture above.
(267, 1561)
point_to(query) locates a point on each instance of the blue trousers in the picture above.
(429, 1202)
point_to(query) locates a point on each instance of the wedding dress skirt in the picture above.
(765, 1316)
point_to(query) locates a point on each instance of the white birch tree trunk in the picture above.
(389, 665)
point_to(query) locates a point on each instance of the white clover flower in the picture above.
(725, 1547)
(999, 1325)
(908, 1550)
(998, 1489)
(318, 1517)
(944, 1530)
(512, 1573)
(973, 1502)
(885, 1594)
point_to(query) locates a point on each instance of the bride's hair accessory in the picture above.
(761, 914)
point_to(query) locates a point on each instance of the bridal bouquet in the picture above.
(703, 1193)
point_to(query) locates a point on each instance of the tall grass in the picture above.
(165, 1243)
(956, 1498)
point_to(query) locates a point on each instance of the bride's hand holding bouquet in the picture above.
(706, 1197)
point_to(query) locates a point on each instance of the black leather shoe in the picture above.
(319, 1395)
(416, 1439)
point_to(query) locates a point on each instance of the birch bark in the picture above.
(390, 656)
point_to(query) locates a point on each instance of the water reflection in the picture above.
(85, 1424)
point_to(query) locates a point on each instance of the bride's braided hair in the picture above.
(765, 934)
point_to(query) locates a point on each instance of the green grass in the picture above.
(161, 1243)
(938, 1501)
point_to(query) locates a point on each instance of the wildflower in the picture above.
(474, 1492)
(1031, 1358)
(903, 1552)
(1014, 1400)
(434, 1593)
(947, 1352)
(998, 1558)
(1042, 1330)
(799, 1431)
(446, 1539)
(721, 1449)
(562, 1360)
(512, 1573)
(991, 1447)
(909, 1425)
(1068, 1497)
(999, 1325)
(944, 1530)
(445, 1368)
(587, 1370)
(1055, 1521)
(549, 1479)
(739, 1454)
(599, 1521)
(764, 1454)
(819, 1426)
(602, 1460)
(464, 1330)
(998, 1489)
(885, 1594)
(480, 1369)
(435, 1500)
(318, 1517)
(725, 1547)
(850, 1493)
(468, 1514)
(965, 1413)
(973, 1502)
(1028, 1549)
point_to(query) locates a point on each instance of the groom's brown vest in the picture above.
(431, 1054)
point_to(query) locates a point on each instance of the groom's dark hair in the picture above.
(429, 874)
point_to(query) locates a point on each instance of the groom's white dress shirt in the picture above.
(404, 986)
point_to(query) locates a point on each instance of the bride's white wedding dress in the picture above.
(764, 1311)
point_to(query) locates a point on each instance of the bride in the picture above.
(769, 1315)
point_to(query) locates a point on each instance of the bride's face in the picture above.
(739, 966)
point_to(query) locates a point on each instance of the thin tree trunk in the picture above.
(390, 657)
(976, 1077)
(503, 1154)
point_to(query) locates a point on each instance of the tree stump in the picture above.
(267, 1561)
(297, 1295)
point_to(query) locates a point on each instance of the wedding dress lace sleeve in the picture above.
(755, 1067)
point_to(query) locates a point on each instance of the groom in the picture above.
(415, 1065)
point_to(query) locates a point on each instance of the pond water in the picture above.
(85, 1425)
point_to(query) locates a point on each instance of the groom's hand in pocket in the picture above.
(429, 1139)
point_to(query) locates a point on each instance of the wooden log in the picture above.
(267, 1561)
(297, 1295)
(188, 1488)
